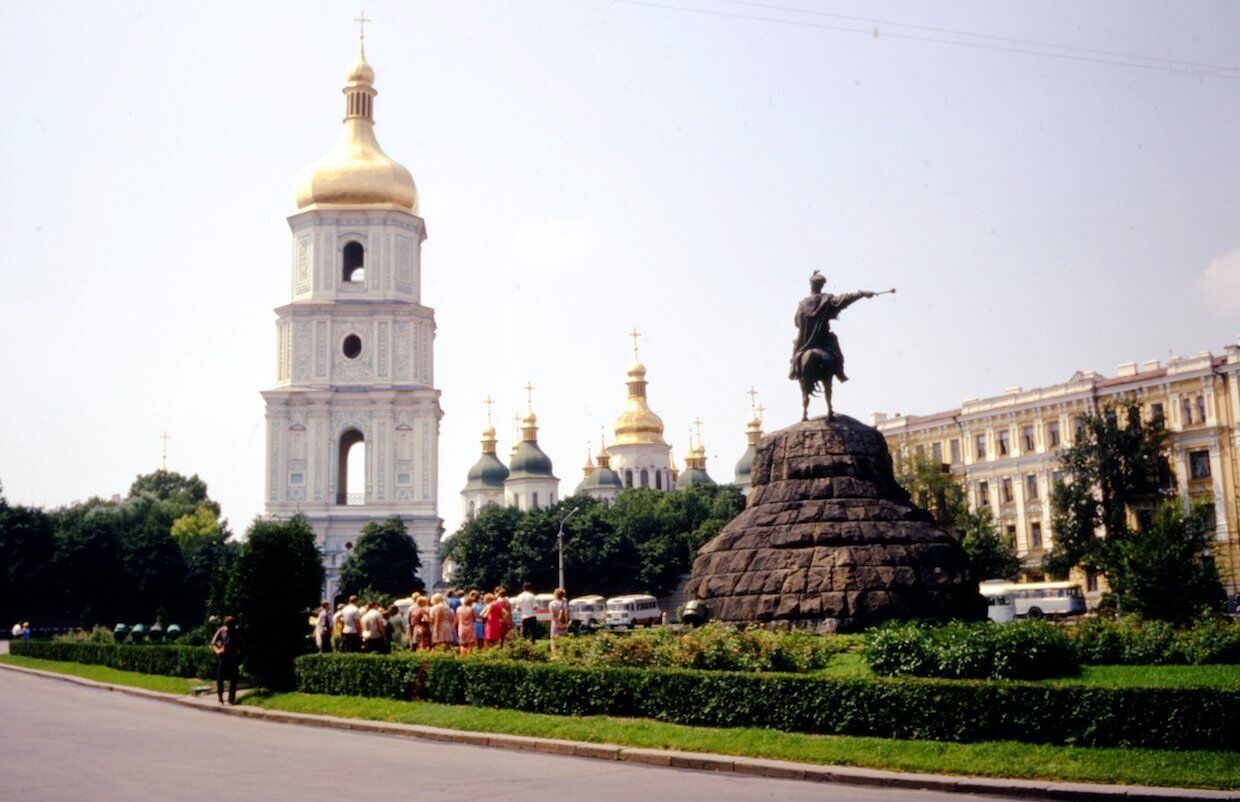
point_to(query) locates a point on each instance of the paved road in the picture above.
(65, 741)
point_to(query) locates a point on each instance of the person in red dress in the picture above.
(465, 633)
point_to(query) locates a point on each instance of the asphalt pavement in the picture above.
(64, 741)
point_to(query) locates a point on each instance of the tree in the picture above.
(931, 488)
(276, 578)
(27, 548)
(991, 556)
(185, 492)
(480, 548)
(89, 566)
(1114, 468)
(203, 540)
(1160, 572)
(385, 560)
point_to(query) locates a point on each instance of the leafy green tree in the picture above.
(27, 548)
(276, 578)
(481, 547)
(203, 540)
(384, 560)
(991, 555)
(931, 488)
(1114, 468)
(1160, 572)
(185, 492)
(89, 565)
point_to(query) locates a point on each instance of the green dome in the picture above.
(529, 461)
(488, 473)
(599, 479)
(744, 466)
(693, 476)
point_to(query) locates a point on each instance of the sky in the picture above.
(1051, 187)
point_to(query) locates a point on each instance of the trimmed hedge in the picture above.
(930, 709)
(963, 650)
(173, 661)
(1132, 641)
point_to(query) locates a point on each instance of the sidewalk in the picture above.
(775, 769)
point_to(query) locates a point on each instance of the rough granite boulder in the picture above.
(828, 541)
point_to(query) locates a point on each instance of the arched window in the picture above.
(658, 480)
(645, 478)
(628, 478)
(471, 509)
(354, 262)
(534, 501)
(351, 469)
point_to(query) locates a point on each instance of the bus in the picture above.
(633, 611)
(1036, 599)
(587, 613)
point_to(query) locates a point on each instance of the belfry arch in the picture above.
(351, 464)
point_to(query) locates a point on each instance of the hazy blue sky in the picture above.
(586, 167)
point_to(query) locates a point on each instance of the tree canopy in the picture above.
(644, 541)
(384, 559)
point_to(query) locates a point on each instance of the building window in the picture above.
(352, 346)
(1009, 533)
(1056, 478)
(296, 478)
(534, 501)
(954, 448)
(1026, 437)
(471, 509)
(1199, 464)
(553, 499)
(980, 447)
(983, 494)
(1052, 434)
(936, 452)
(628, 478)
(1157, 416)
(1005, 491)
(351, 468)
(1035, 535)
(1186, 409)
(645, 478)
(1210, 515)
(1004, 446)
(1201, 409)
(1031, 487)
(658, 480)
(354, 262)
(1091, 581)
(920, 451)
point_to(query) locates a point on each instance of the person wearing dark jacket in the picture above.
(227, 647)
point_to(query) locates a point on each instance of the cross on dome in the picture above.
(635, 334)
(529, 395)
(361, 20)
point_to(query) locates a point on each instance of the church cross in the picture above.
(165, 437)
(761, 411)
(361, 21)
(489, 402)
(529, 394)
(635, 334)
(753, 396)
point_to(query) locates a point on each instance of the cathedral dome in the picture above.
(530, 460)
(356, 172)
(638, 425)
(488, 473)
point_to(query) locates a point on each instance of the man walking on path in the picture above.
(525, 605)
(351, 627)
(227, 648)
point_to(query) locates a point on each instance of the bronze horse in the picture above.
(817, 366)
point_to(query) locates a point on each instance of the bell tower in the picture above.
(353, 421)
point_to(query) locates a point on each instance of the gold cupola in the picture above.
(638, 425)
(356, 172)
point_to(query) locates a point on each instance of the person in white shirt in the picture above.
(351, 627)
(374, 630)
(524, 602)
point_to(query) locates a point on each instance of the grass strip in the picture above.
(1207, 676)
(1200, 769)
(151, 682)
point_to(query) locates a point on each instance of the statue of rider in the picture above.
(813, 321)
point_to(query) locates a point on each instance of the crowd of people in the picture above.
(456, 619)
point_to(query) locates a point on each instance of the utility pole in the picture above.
(559, 544)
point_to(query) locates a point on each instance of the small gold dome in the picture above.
(637, 370)
(489, 433)
(356, 172)
(530, 419)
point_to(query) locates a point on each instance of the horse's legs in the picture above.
(804, 403)
(826, 392)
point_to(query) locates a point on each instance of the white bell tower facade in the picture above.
(355, 356)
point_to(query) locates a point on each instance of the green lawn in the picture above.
(151, 682)
(1212, 676)
(993, 759)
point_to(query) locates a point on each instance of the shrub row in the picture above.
(1133, 641)
(174, 661)
(958, 650)
(893, 708)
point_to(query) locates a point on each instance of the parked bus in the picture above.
(1037, 599)
(633, 611)
(587, 612)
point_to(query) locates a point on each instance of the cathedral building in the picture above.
(695, 465)
(639, 455)
(354, 351)
(744, 466)
(485, 482)
(531, 483)
(600, 482)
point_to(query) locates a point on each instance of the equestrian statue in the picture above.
(816, 355)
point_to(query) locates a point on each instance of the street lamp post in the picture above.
(559, 542)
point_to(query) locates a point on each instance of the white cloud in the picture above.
(1219, 284)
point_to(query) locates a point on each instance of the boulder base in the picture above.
(828, 541)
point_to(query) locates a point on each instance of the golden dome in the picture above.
(637, 370)
(356, 172)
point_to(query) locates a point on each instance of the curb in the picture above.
(693, 761)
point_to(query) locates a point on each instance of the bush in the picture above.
(1133, 641)
(713, 647)
(909, 708)
(173, 661)
(959, 650)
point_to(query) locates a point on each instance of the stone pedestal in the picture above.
(830, 542)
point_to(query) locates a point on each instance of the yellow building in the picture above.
(1004, 449)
